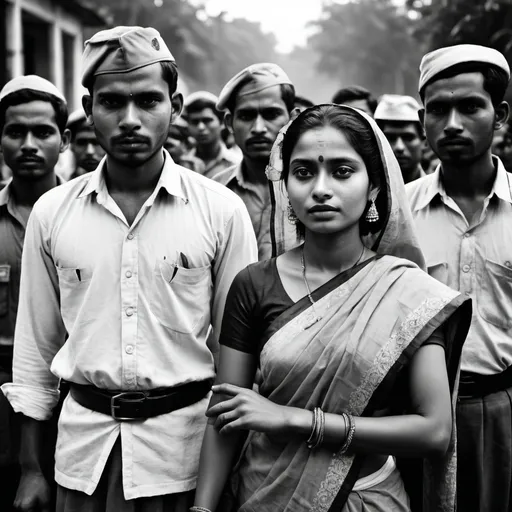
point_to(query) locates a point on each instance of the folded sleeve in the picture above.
(40, 332)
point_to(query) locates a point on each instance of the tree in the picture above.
(368, 42)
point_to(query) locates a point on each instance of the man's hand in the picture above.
(33, 493)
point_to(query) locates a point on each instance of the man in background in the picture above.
(205, 123)
(357, 97)
(397, 117)
(84, 145)
(259, 101)
(33, 116)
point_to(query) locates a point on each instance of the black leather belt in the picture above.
(139, 405)
(473, 385)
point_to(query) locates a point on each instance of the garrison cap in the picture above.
(260, 76)
(201, 95)
(121, 50)
(396, 107)
(32, 83)
(439, 60)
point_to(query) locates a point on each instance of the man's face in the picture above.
(131, 114)
(406, 142)
(87, 149)
(31, 141)
(361, 105)
(204, 126)
(174, 145)
(459, 118)
(256, 121)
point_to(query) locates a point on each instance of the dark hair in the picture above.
(200, 104)
(169, 74)
(28, 95)
(300, 100)
(354, 93)
(287, 95)
(495, 79)
(419, 128)
(359, 135)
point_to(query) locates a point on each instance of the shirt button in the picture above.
(466, 235)
(128, 274)
(129, 349)
(129, 311)
(466, 268)
(508, 264)
(130, 236)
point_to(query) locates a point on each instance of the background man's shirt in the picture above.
(258, 205)
(476, 260)
(225, 159)
(137, 303)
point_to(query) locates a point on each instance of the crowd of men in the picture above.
(139, 247)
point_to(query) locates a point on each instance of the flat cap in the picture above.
(121, 50)
(32, 83)
(261, 76)
(200, 95)
(396, 107)
(439, 60)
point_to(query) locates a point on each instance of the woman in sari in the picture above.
(357, 347)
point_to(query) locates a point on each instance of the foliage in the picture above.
(446, 22)
(368, 42)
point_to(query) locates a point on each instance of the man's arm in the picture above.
(39, 334)
(237, 250)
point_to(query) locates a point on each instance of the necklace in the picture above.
(303, 264)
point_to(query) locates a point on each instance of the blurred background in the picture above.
(322, 45)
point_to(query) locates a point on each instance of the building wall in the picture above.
(44, 39)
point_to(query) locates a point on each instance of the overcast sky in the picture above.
(285, 18)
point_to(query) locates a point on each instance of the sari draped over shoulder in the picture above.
(344, 354)
(371, 324)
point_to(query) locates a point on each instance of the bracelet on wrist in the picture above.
(199, 509)
(349, 420)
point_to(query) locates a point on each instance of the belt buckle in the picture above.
(130, 395)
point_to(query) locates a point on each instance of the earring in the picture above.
(292, 217)
(372, 215)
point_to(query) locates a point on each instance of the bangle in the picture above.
(199, 509)
(350, 433)
(317, 429)
(314, 425)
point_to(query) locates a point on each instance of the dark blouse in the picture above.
(256, 298)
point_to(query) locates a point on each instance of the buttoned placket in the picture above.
(129, 286)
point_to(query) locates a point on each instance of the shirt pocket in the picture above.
(496, 291)
(5, 276)
(438, 270)
(73, 284)
(181, 296)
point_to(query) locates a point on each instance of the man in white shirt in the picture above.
(133, 263)
(463, 215)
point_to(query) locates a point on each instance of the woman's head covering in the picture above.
(397, 236)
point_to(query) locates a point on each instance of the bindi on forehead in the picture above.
(321, 158)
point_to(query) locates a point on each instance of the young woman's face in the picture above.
(328, 183)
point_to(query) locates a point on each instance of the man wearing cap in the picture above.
(177, 146)
(258, 100)
(125, 271)
(397, 117)
(463, 213)
(84, 144)
(33, 115)
(205, 123)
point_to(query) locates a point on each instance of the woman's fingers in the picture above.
(227, 389)
(221, 407)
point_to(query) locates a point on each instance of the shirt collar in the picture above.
(6, 193)
(170, 179)
(502, 186)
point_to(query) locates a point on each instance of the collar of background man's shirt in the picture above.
(170, 179)
(6, 194)
(502, 186)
